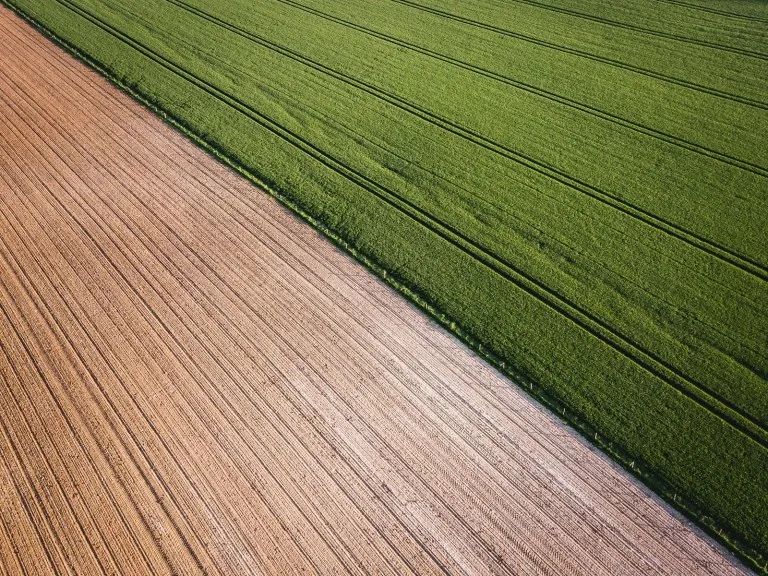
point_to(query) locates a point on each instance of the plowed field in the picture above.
(194, 382)
(577, 188)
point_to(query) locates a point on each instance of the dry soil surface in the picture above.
(193, 381)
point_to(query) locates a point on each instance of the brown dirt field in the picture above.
(193, 381)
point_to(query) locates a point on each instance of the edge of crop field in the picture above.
(752, 558)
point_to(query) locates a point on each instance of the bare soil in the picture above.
(193, 381)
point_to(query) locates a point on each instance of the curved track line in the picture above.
(648, 31)
(663, 224)
(590, 56)
(565, 101)
(693, 6)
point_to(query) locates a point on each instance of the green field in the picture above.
(579, 188)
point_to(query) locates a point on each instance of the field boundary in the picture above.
(751, 557)
(566, 307)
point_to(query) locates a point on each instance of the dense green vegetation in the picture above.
(582, 187)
